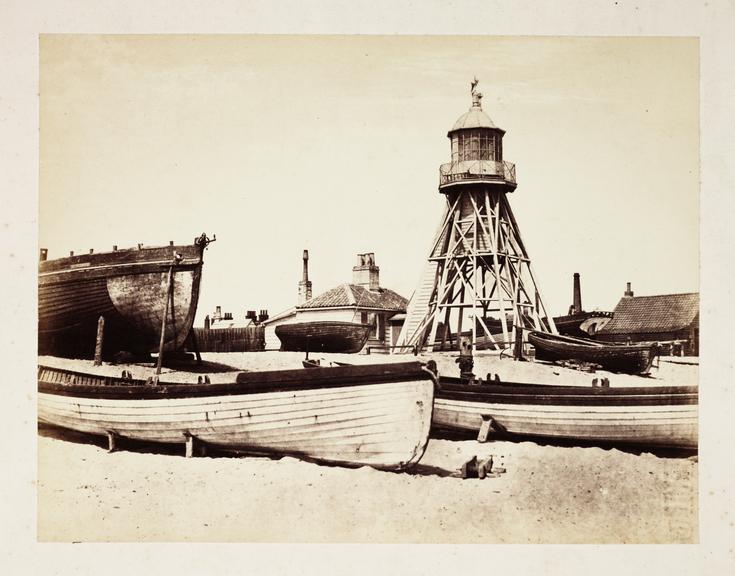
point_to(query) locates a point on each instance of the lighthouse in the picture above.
(478, 280)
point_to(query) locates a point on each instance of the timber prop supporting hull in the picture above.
(627, 358)
(377, 415)
(323, 336)
(650, 416)
(129, 289)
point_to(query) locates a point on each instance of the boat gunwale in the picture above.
(549, 394)
(247, 383)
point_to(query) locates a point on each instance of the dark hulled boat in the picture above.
(375, 415)
(129, 289)
(575, 325)
(627, 358)
(664, 416)
(323, 336)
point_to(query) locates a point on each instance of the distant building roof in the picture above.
(349, 295)
(280, 316)
(652, 314)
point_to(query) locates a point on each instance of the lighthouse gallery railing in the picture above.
(476, 170)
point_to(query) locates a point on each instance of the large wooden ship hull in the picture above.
(129, 289)
(377, 415)
(630, 359)
(323, 336)
(652, 416)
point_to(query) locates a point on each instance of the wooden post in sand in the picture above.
(189, 445)
(486, 428)
(518, 350)
(111, 437)
(163, 323)
(98, 344)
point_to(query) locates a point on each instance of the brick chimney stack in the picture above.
(305, 284)
(366, 273)
(577, 302)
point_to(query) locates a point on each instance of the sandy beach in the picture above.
(548, 494)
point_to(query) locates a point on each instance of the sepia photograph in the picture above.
(368, 289)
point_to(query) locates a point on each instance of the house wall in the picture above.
(334, 315)
(269, 335)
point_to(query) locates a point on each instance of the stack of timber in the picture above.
(375, 415)
(248, 339)
(627, 358)
(132, 289)
(649, 416)
(323, 336)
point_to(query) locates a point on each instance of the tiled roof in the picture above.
(349, 295)
(651, 314)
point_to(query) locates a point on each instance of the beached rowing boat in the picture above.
(129, 289)
(628, 358)
(376, 415)
(643, 415)
(323, 336)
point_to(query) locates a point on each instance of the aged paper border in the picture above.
(21, 23)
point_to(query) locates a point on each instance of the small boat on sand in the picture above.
(374, 415)
(323, 336)
(650, 416)
(127, 287)
(627, 358)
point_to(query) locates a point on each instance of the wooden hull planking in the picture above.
(335, 337)
(633, 359)
(667, 417)
(130, 294)
(380, 424)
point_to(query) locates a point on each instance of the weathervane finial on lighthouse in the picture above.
(476, 96)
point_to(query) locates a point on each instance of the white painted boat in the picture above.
(645, 416)
(377, 415)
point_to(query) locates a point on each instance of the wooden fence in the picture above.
(251, 339)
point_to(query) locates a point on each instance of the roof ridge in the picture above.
(662, 295)
(352, 301)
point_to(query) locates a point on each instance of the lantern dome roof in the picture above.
(475, 117)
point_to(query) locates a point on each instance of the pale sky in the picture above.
(333, 143)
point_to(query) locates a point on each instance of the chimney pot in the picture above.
(366, 273)
(628, 291)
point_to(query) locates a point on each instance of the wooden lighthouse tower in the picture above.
(478, 280)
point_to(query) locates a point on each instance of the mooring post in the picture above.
(98, 344)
